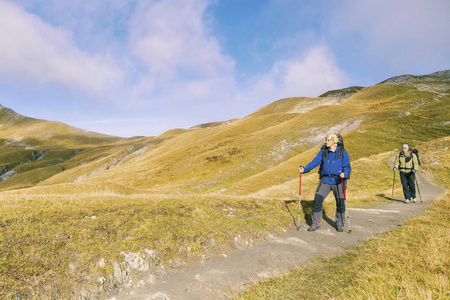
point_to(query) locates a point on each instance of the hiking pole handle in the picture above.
(343, 188)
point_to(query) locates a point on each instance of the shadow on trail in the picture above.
(388, 198)
(306, 212)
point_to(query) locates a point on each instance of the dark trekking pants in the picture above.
(408, 184)
(323, 189)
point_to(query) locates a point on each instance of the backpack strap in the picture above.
(324, 149)
(324, 155)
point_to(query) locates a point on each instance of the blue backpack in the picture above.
(325, 153)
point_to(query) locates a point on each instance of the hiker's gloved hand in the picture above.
(414, 171)
(395, 169)
(342, 175)
(301, 169)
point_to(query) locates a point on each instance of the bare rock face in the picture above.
(7, 175)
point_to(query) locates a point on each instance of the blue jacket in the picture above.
(333, 164)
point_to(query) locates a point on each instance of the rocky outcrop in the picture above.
(119, 158)
(37, 154)
(7, 175)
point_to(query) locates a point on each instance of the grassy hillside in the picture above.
(20, 131)
(264, 148)
(78, 201)
(34, 151)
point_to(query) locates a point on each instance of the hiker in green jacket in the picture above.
(407, 163)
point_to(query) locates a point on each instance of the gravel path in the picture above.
(279, 254)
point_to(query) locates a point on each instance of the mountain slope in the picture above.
(262, 149)
(240, 156)
(376, 119)
(34, 150)
(22, 131)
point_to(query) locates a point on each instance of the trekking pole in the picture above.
(346, 210)
(393, 182)
(417, 183)
(299, 200)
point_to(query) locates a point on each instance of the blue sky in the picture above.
(142, 67)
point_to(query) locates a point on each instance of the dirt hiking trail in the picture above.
(279, 254)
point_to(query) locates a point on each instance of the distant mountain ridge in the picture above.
(10, 121)
(439, 76)
(343, 93)
(349, 91)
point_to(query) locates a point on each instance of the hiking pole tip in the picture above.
(346, 209)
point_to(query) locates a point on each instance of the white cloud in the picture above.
(181, 57)
(34, 51)
(314, 75)
(310, 74)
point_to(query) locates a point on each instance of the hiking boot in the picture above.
(407, 201)
(339, 228)
(413, 200)
(313, 228)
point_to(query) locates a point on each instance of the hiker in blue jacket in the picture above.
(335, 167)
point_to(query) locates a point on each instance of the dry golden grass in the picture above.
(193, 192)
(55, 237)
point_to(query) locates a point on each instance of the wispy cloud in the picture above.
(397, 35)
(34, 51)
